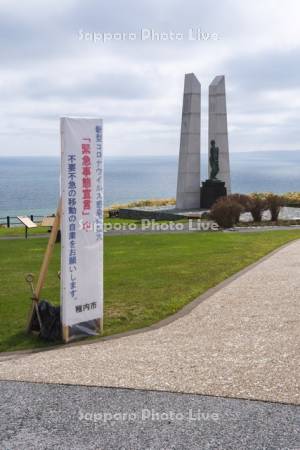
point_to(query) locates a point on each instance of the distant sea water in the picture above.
(30, 185)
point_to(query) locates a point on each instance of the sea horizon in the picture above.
(204, 152)
(30, 184)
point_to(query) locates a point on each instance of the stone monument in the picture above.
(188, 181)
(217, 128)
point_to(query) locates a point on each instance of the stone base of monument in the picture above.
(211, 190)
(145, 213)
(169, 213)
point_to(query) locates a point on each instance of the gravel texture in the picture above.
(243, 341)
(39, 416)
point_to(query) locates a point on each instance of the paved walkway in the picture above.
(241, 342)
(55, 417)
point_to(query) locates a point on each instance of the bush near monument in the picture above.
(292, 198)
(257, 206)
(289, 198)
(266, 201)
(243, 199)
(274, 202)
(226, 212)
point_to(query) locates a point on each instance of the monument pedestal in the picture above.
(211, 190)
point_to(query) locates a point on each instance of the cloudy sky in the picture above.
(53, 65)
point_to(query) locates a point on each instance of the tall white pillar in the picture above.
(217, 127)
(188, 181)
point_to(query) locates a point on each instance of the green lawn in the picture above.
(147, 277)
(20, 231)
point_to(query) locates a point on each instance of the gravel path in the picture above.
(39, 416)
(242, 342)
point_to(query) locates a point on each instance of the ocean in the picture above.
(30, 185)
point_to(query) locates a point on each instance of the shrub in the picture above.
(257, 205)
(274, 203)
(261, 195)
(292, 198)
(243, 199)
(226, 212)
(289, 198)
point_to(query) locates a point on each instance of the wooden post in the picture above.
(65, 333)
(47, 256)
(45, 264)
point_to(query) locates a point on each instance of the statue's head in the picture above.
(212, 143)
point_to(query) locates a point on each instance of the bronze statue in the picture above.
(213, 160)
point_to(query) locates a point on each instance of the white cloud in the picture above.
(136, 86)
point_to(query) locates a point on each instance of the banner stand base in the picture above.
(81, 330)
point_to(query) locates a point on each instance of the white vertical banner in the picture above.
(81, 225)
